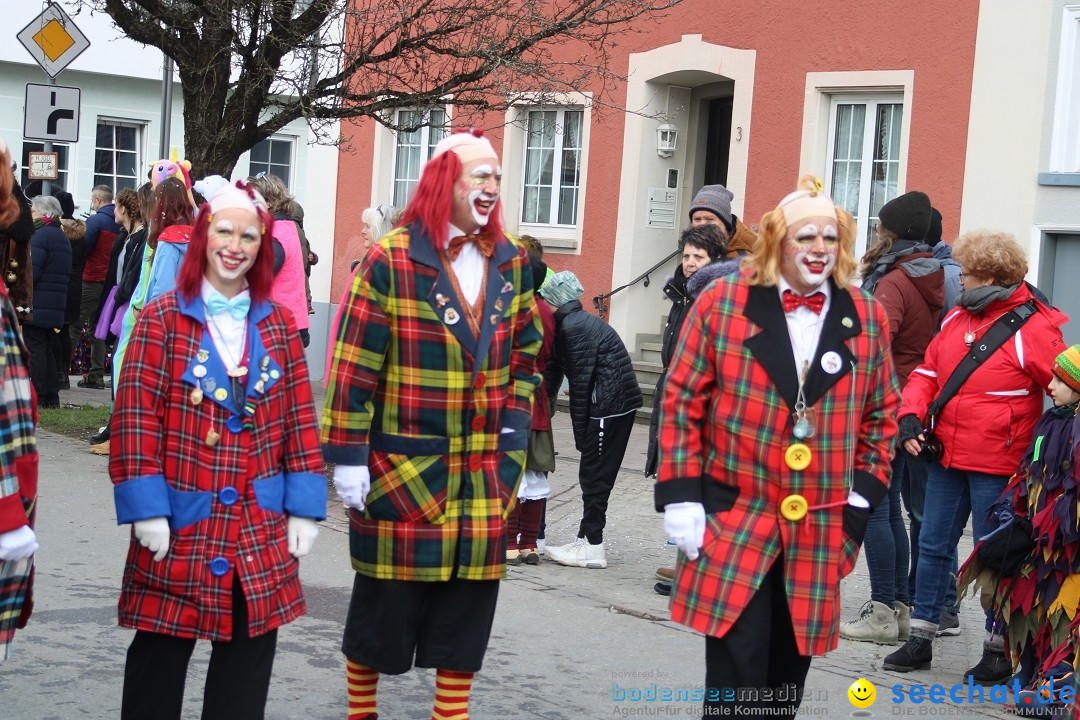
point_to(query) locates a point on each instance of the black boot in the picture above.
(102, 436)
(663, 587)
(993, 669)
(916, 653)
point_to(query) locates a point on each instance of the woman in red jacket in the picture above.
(985, 428)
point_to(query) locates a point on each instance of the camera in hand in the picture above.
(931, 449)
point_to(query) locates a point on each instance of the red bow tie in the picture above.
(485, 243)
(815, 302)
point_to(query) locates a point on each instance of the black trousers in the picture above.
(443, 625)
(759, 652)
(237, 681)
(44, 347)
(601, 458)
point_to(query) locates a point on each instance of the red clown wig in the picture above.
(260, 276)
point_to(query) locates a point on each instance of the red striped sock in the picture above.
(452, 695)
(361, 682)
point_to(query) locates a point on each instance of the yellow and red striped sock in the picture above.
(452, 695)
(361, 682)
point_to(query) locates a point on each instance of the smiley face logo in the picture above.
(862, 693)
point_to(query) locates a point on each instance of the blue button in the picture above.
(219, 566)
(235, 424)
(228, 495)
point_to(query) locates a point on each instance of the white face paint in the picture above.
(233, 242)
(809, 253)
(475, 194)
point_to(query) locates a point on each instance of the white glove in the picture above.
(352, 483)
(153, 534)
(18, 544)
(684, 523)
(302, 532)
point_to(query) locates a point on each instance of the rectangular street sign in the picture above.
(52, 113)
(53, 40)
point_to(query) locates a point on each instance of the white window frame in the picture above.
(863, 212)
(291, 140)
(425, 142)
(558, 152)
(1065, 143)
(559, 238)
(140, 150)
(817, 136)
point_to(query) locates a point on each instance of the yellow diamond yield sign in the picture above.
(53, 40)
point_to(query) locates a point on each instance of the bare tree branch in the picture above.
(250, 67)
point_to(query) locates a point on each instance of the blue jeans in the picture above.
(887, 543)
(913, 491)
(952, 495)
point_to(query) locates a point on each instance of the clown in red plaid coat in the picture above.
(776, 433)
(427, 416)
(216, 462)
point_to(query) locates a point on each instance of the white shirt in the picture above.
(804, 327)
(469, 266)
(227, 332)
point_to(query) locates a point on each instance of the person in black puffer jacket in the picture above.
(604, 396)
(703, 249)
(50, 253)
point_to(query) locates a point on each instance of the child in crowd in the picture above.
(1037, 601)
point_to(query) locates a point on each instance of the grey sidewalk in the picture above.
(563, 637)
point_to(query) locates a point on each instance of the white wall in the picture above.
(1008, 105)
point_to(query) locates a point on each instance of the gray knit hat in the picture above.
(561, 288)
(908, 216)
(716, 199)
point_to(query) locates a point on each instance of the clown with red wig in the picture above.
(427, 418)
(216, 464)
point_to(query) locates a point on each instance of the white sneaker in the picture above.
(579, 554)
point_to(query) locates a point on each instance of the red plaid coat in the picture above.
(725, 423)
(420, 400)
(18, 471)
(227, 504)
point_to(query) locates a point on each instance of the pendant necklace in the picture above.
(970, 335)
(236, 370)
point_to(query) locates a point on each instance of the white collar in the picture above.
(825, 287)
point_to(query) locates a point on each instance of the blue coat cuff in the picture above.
(305, 495)
(141, 499)
(517, 420)
(345, 455)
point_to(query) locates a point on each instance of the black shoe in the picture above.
(993, 669)
(916, 654)
(91, 385)
(98, 438)
(663, 587)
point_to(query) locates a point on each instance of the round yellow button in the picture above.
(797, 456)
(221, 395)
(793, 507)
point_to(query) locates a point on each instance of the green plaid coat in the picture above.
(418, 398)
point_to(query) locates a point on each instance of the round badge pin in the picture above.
(831, 362)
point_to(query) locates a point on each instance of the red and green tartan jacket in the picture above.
(725, 423)
(18, 471)
(228, 502)
(418, 398)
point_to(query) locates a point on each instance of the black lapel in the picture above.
(772, 346)
(841, 322)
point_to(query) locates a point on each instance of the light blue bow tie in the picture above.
(238, 306)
